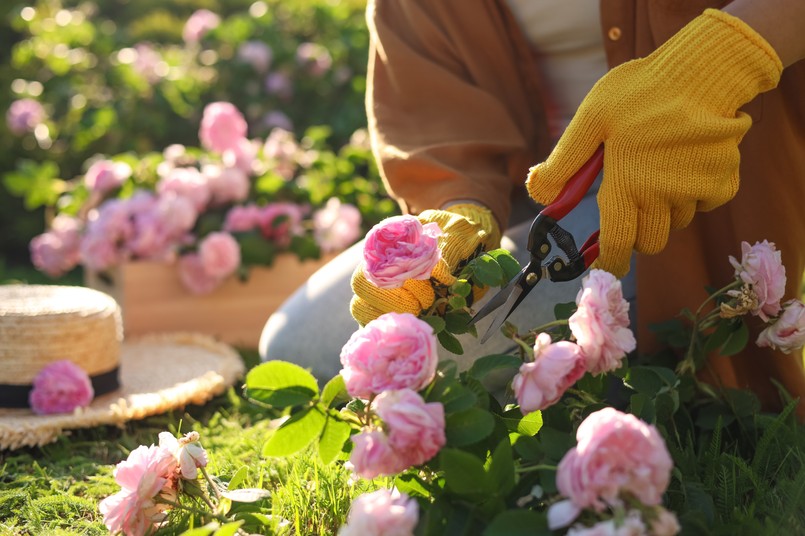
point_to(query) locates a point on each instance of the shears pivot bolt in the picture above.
(531, 279)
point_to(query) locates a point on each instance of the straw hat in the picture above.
(40, 324)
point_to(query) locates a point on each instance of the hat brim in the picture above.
(158, 373)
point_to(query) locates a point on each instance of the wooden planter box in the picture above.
(152, 299)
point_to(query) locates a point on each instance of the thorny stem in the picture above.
(213, 484)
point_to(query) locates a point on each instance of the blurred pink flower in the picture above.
(105, 175)
(601, 322)
(60, 387)
(616, 453)
(381, 513)
(281, 149)
(555, 368)
(148, 63)
(761, 267)
(242, 156)
(282, 221)
(57, 251)
(372, 455)
(394, 351)
(629, 525)
(161, 225)
(786, 333)
(242, 218)
(220, 254)
(400, 248)
(227, 184)
(314, 58)
(415, 428)
(277, 119)
(144, 476)
(665, 523)
(24, 115)
(222, 127)
(336, 226)
(173, 152)
(187, 451)
(108, 229)
(187, 182)
(279, 83)
(194, 277)
(257, 54)
(199, 23)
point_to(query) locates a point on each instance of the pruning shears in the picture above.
(558, 268)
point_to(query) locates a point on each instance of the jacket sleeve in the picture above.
(450, 115)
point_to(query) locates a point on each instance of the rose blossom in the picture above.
(227, 184)
(57, 251)
(257, 54)
(187, 182)
(243, 156)
(193, 275)
(787, 332)
(393, 351)
(281, 148)
(187, 450)
(601, 322)
(415, 428)
(762, 268)
(105, 175)
(556, 367)
(281, 221)
(616, 452)
(220, 254)
(145, 475)
(198, 24)
(241, 219)
(24, 115)
(314, 58)
(337, 225)
(400, 248)
(372, 456)
(222, 127)
(381, 513)
(60, 387)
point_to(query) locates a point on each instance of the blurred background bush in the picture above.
(118, 76)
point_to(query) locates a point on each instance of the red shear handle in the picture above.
(590, 249)
(576, 187)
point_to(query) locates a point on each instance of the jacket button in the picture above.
(614, 33)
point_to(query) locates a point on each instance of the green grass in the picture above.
(55, 489)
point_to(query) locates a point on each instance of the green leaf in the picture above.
(281, 384)
(464, 474)
(468, 427)
(230, 529)
(563, 311)
(651, 380)
(334, 392)
(450, 343)
(508, 263)
(461, 288)
(501, 468)
(246, 495)
(457, 321)
(484, 365)
(436, 322)
(238, 478)
(719, 336)
(736, 341)
(530, 424)
(331, 443)
(555, 443)
(206, 530)
(642, 406)
(457, 302)
(487, 271)
(305, 247)
(295, 434)
(518, 523)
(255, 249)
(457, 398)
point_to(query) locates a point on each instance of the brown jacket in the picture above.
(456, 111)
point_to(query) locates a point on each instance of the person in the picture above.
(464, 98)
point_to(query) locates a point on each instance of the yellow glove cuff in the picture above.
(466, 227)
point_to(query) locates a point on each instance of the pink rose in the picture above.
(394, 351)
(187, 451)
(57, 251)
(415, 428)
(105, 175)
(665, 523)
(761, 267)
(161, 226)
(227, 184)
(372, 455)
(199, 23)
(257, 54)
(281, 149)
(144, 477)
(400, 248)
(601, 322)
(60, 387)
(222, 127)
(24, 115)
(337, 225)
(787, 332)
(616, 453)
(194, 277)
(220, 254)
(381, 513)
(243, 156)
(241, 219)
(148, 63)
(280, 222)
(187, 182)
(556, 367)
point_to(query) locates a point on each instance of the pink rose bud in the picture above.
(199, 23)
(393, 351)
(194, 277)
(761, 267)
(105, 175)
(415, 428)
(616, 453)
(556, 367)
(337, 226)
(787, 333)
(372, 456)
(400, 248)
(187, 450)
(601, 322)
(381, 513)
(220, 254)
(60, 387)
(222, 127)
(24, 115)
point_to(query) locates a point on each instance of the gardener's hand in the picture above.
(671, 130)
(466, 229)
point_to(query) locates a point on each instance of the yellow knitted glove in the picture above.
(670, 128)
(466, 228)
